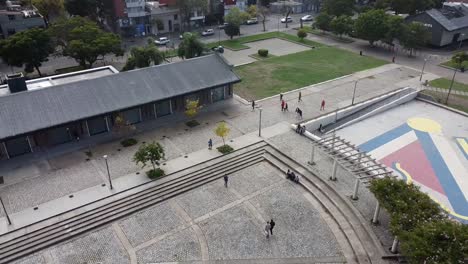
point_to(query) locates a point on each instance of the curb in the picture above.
(443, 106)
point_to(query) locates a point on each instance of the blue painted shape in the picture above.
(451, 188)
(385, 138)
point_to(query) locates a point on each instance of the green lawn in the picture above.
(451, 64)
(258, 57)
(238, 43)
(445, 84)
(285, 73)
(318, 32)
(456, 101)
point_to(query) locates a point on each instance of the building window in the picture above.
(11, 31)
(175, 17)
(11, 17)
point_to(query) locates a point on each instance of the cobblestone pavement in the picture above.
(56, 174)
(217, 224)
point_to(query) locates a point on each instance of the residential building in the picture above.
(16, 18)
(448, 25)
(163, 18)
(41, 113)
(282, 7)
(132, 17)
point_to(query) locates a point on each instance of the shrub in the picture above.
(225, 149)
(263, 52)
(154, 174)
(128, 142)
(301, 33)
(192, 123)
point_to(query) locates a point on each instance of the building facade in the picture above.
(39, 114)
(17, 18)
(163, 18)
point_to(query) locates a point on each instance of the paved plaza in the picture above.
(424, 144)
(212, 223)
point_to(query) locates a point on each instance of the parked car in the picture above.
(284, 19)
(162, 41)
(222, 26)
(251, 21)
(219, 49)
(207, 32)
(307, 18)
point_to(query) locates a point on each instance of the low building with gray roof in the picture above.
(41, 113)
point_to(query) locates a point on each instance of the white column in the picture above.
(6, 150)
(375, 219)
(356, 188)
(141, 115)
(107, 124)
(393, 249)
(29, 142)
(335, 167)
(87, 127)
(170, 105)
(154, 109)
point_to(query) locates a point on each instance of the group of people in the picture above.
(290, 175)
(284, 106)
(269, 228)
(300, 129)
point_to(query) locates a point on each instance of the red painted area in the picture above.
(413, 160)
(119, 7)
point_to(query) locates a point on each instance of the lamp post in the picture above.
(451, 85)
(108, 172)
(6, 213)
(260, 123)
(219, 33)
(461, 36)
(422, 71)
(354, 91)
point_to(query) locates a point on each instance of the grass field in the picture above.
(452, 64)
(285, 73)
(445, 84)
(238, 43)
(456, 101)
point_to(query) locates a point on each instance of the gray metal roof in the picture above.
(29, 111)
(448, 24)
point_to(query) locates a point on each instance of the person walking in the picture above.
(210, 144)
(253, 105)
(286, 107)
(281, 97)
(322, 106)
(282, 105)
(272, 225)
(267, 229)
(300, 97)
(226, 179)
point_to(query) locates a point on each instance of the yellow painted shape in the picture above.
(409, 180)
(424, 124)
(463, 144)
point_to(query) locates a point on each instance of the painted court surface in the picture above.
(423, 144)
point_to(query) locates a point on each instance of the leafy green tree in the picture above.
(322, 21)
(263, 12)
(190, 47)
(142, 57)
(301, 34)
(252, 10)
(222, 131)
(372, 25)
(29, 48)
(408, 6)
(444, 241)
(192, 108)
(149, 153)
(342, 25)
(459, 58)
(415, 34)
(49, 8)
(395, 26)
(186, 7)
(338, 7)
(232, 30)
(236, 17)
(84, 41)
(122, 126)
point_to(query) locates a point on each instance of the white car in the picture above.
(251, 21)
(307, 18)
(207, 32)
(162, 41)
(284, 19)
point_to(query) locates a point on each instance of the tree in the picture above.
(231, 30)
(222, 131)
(338, 7)
(342, 25)
(30, 48)
(372, 25)
(49, 8)
(322, 21)
(190, 46)
(263, 12)
(142, 57)
(408, 6)
(83, 8)
(459, 58)
(122, 126)
(84, 41)
(186, 7)
(252, 10)
(443, 241)
(395, 28)
(236, 17)
(192, 108)
(265, 3)
(415, 34)
(301, 33)
(149, 153)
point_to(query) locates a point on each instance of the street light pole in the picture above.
(108, 172)
(260, 123)
(461, 36)
(6, 213)
(354, 91)
(422, 71)
(451, 85)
